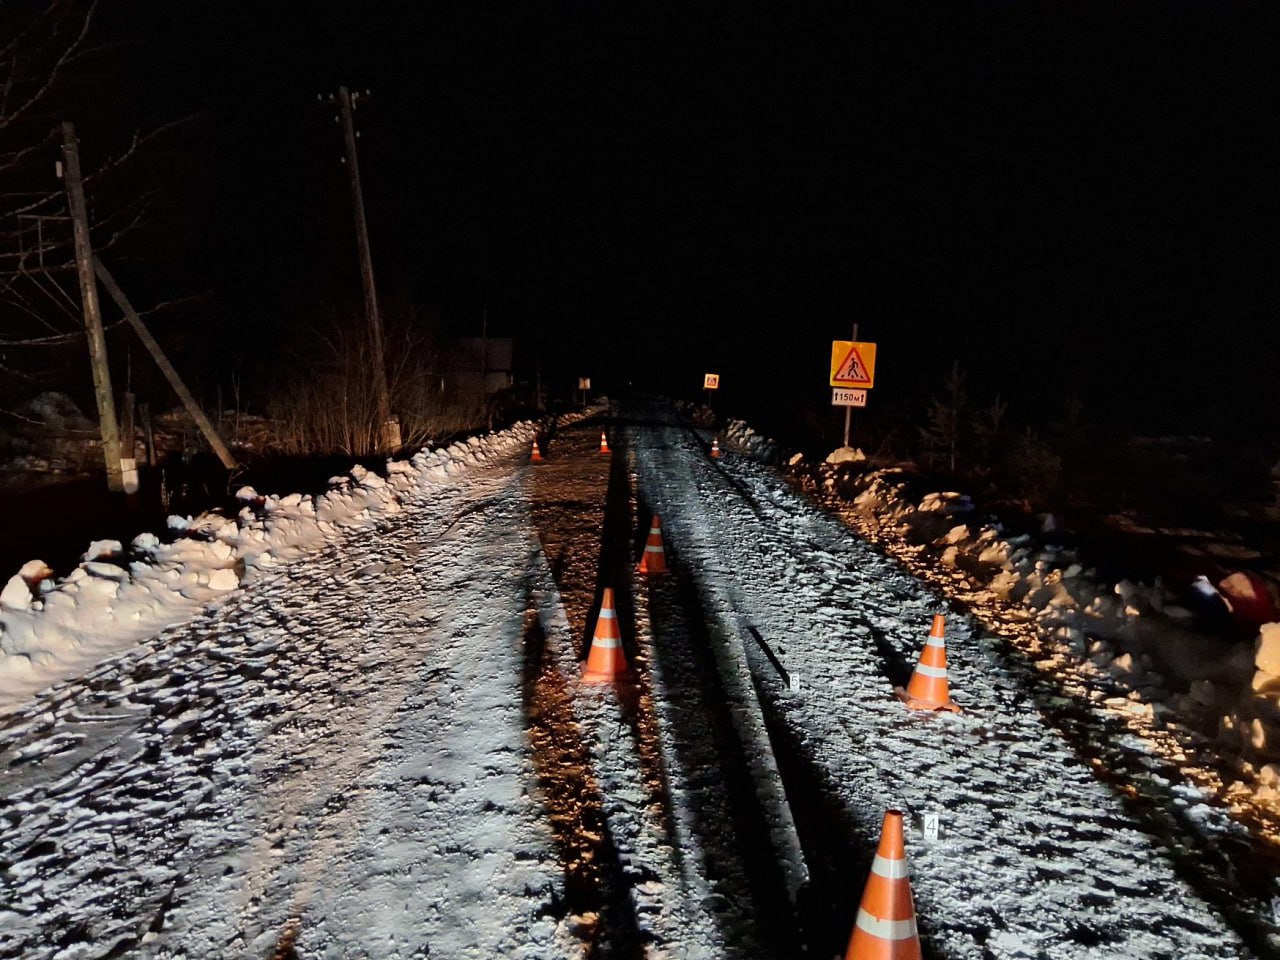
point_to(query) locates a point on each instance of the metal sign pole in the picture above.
(848, 411)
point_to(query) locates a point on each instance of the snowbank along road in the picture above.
(382, 749)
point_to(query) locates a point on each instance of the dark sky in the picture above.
(1069, 198)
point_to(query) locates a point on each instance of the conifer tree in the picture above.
(949, 416)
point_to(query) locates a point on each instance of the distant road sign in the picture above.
(584, 383)
(844, 397)
(853, 364)
(711, 381)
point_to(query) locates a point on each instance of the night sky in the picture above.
(1070, 199)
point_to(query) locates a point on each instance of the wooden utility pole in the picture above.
(389, 429)
(538, 378)
(92, 314)
(148, 436)
(167, 368)
(128, 444)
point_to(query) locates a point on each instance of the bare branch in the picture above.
(47, 48)
(55, 72)
(9, 53)
(138, 140)
(68, 306)
(25, 419)
(34, 205)
(56, 340)
(9, 371)
(23, 305)
(174, 302)
(115, 236)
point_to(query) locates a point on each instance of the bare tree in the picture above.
(49, 67)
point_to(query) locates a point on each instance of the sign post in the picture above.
(584, 384)
(710, 381)
(848, 411)
(853, 373)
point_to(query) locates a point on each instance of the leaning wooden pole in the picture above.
(107, 424)
(388, 428)
(113, 290)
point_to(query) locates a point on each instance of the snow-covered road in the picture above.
(381, 749)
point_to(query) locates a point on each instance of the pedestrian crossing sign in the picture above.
(853, 364)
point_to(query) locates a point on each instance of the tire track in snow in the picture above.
(723, 815)
(595, 887)
(636, 699)
(819, 822)
(454, 794)
(644, 790)
(567, 494)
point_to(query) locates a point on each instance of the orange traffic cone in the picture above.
(886, 924)
(928, 689)
(604, 443)
(653, 560)
(715, 448)
(536, 456)
(605, 660)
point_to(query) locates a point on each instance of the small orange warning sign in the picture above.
(853, 364)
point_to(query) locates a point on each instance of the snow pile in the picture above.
(1136, 643)
(745, 440)
(48, 433)
(698, 414)
(56, 412)
(1254, 717)
(52, 629)
(846, 455)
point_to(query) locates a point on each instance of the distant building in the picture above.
(478, 365)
